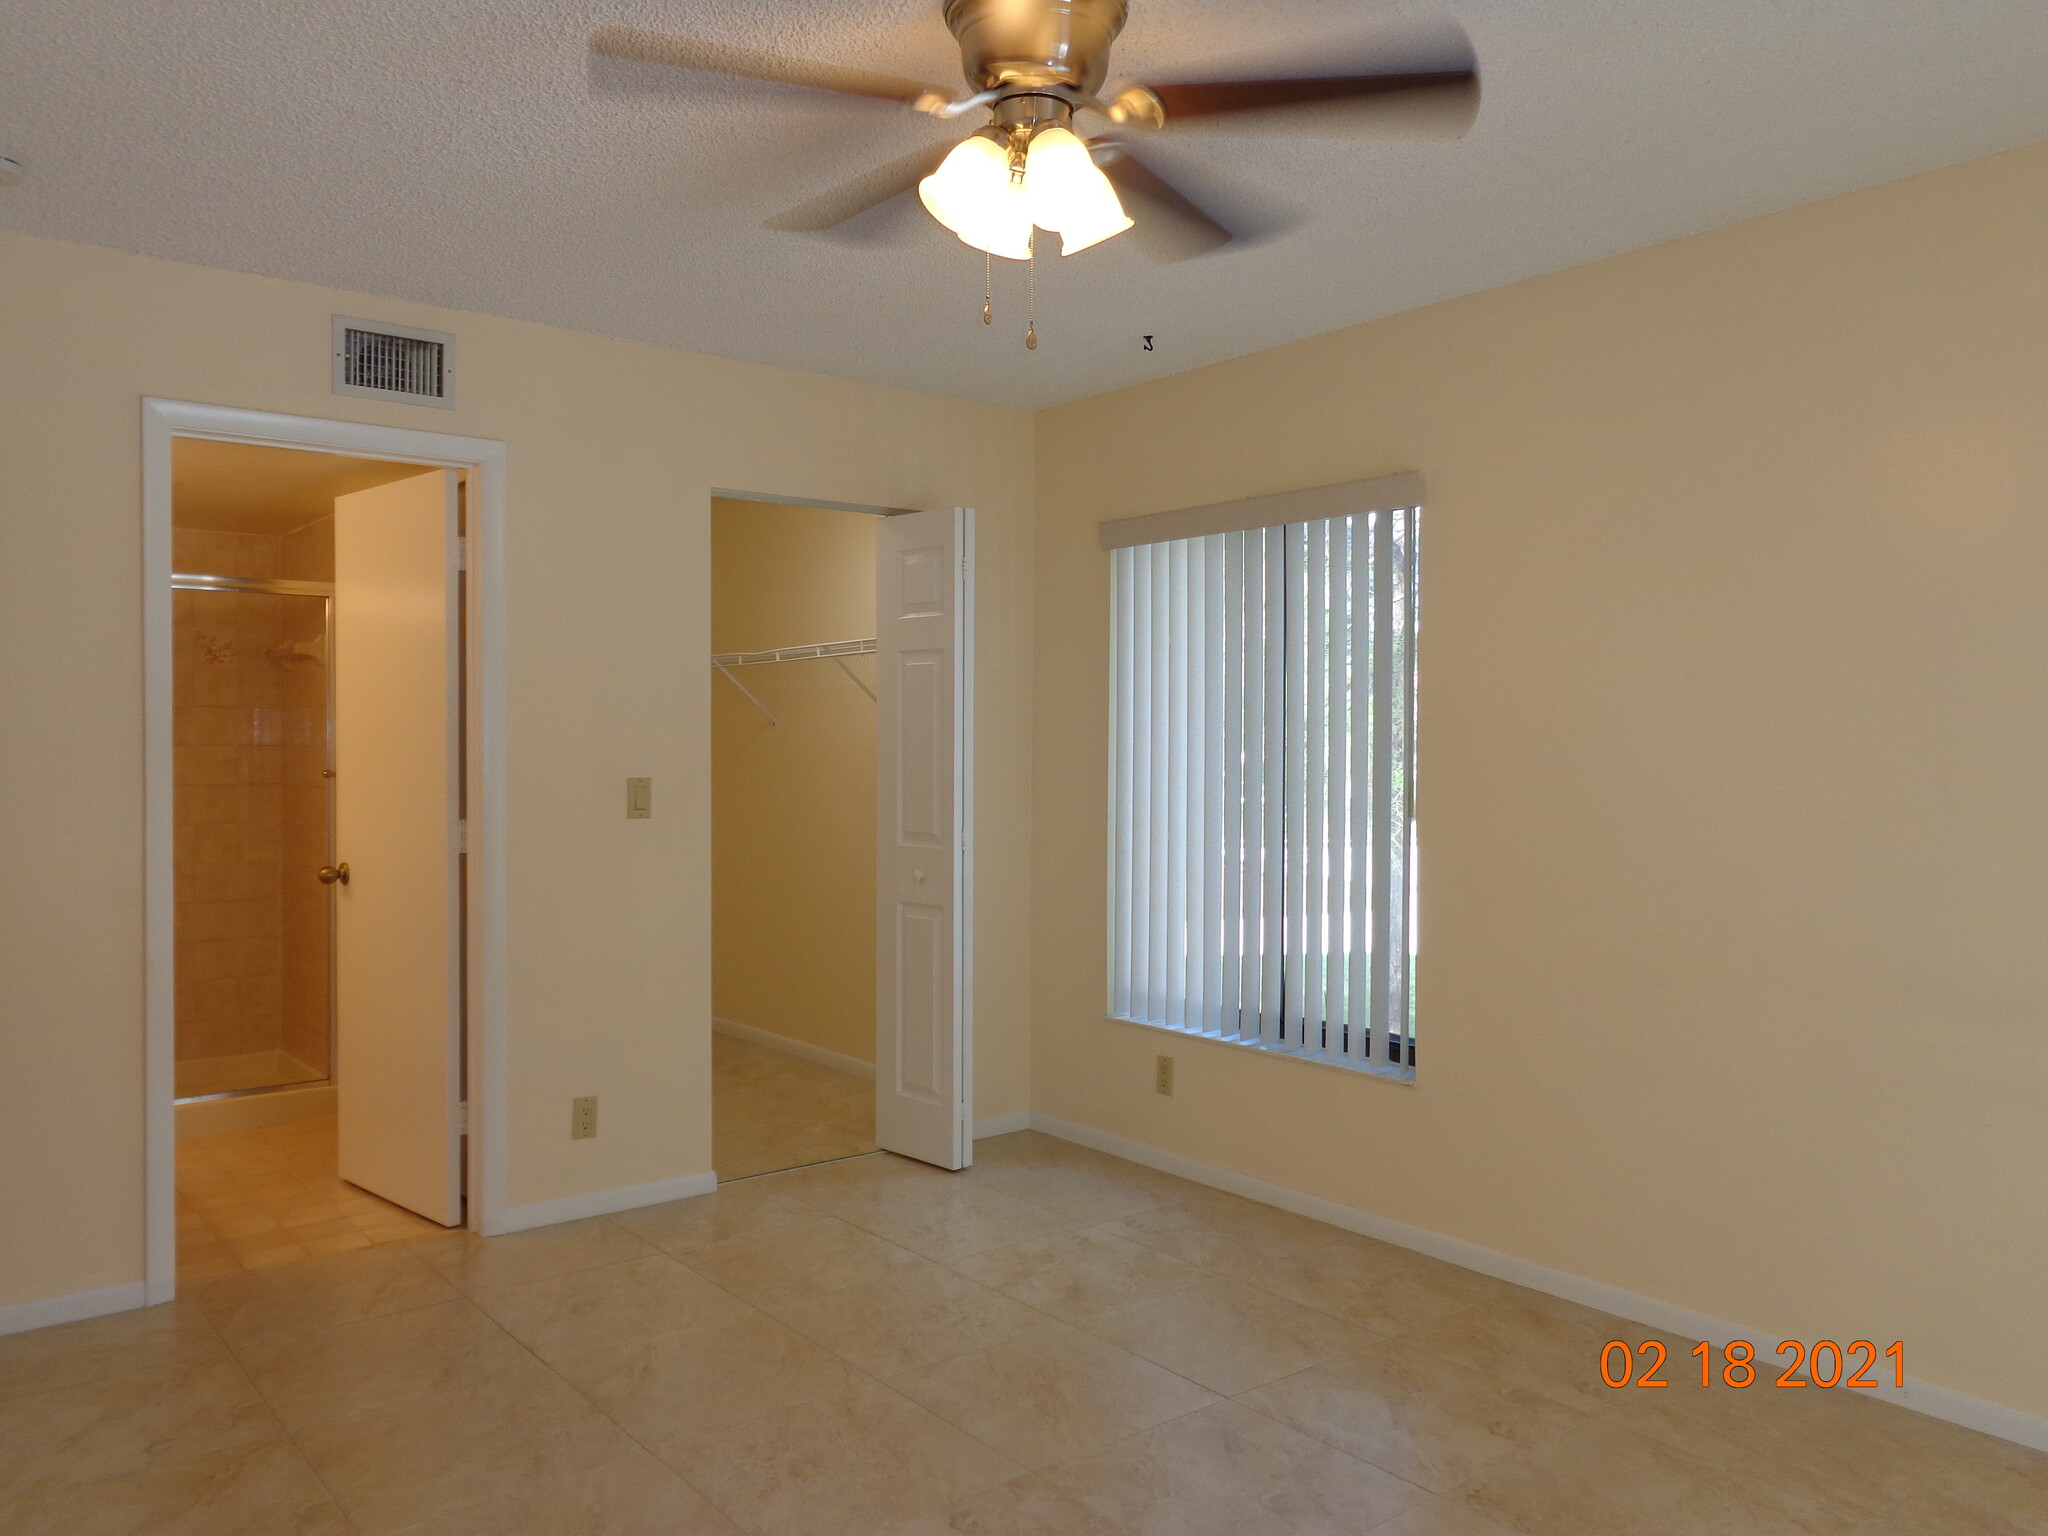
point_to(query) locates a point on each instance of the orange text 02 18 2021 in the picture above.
(1824, 1363)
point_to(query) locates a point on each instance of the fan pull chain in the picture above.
(1031, 292)
(988, 284)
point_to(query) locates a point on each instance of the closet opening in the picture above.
(793, 710)
(842, 847)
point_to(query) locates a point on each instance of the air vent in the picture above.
(393, 362)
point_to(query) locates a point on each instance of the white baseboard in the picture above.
(601, 1202)
(1002, 1125)
(1920, 1396)
(21, 1316)
(769, 1040)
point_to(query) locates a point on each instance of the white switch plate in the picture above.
(639, 799)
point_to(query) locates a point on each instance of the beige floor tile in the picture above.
(1866, 1455)
(631, 1495)
(75, 1353)
(1602, 1480)
(913, 1316)
(1414, 1414)
(608, 1307)
(826, 1184)
(381, 1361)
(1227, 1471)
(1024, 1506)
(678, 1387)
(119, 1424)
(410, 1462)
(1222, 1232)
(1534, 1342)
(266, 1491)
(1228, 1337)
(470, 1262)
(1079, 1271)
(1051, 1392)
(733, 1210)
(1440, 1517)
(952, 1221)
(846, 1465)
(1376, 1285)
(771, 1110)
(320, 1293)
(798, 1261)
(1093, 1188)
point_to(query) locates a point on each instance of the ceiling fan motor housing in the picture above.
(1035, 43)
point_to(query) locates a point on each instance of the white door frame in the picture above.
(484, 942)
(966, 683)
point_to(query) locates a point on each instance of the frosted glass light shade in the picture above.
(1067, 193)
(972, 195)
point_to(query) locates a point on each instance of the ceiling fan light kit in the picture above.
(1033, 65)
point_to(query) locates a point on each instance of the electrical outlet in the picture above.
(1162, 1076)
(639, 799)
(583, 1118)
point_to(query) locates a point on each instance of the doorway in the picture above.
(273, 950)
(793, 835)
(316, 917)
(841, 810)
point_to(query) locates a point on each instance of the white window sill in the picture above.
(1385, 1074)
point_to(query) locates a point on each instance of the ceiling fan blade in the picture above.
(860, 194)
(1416, 81)
(1169, 225)
(695, 53)
(1435, 104)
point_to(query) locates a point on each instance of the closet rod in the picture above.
(833, 651)
(823, 652)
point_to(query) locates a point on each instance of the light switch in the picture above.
(639, 799)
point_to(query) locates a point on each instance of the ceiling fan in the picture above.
(1032, 66)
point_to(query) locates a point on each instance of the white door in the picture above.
(923, 672)
(398, 766)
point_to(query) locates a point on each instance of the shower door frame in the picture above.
(484, 939)
(188, 581)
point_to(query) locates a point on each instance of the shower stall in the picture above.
(254, 793)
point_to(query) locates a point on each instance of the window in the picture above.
(1263, 853)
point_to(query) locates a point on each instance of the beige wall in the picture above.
(1732, 755)
(613, 451)
(793, 830)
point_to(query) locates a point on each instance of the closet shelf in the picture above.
(833, 651)
(825, 652)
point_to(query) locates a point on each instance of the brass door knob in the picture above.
(331, 873)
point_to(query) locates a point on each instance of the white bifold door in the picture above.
(923, 673)
(398, 784)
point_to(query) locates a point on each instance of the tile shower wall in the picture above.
(251, 803)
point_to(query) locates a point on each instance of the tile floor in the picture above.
(1053, 1343)
(255, 1199)
(771, 1110)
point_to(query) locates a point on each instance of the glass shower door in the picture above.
(253, 786)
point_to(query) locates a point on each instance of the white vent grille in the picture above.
(393, 362)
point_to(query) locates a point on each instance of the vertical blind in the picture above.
(1263, 855)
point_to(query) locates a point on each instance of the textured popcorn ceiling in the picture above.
(469, 153)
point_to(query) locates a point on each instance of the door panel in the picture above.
(398, 768)
(922, 643)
